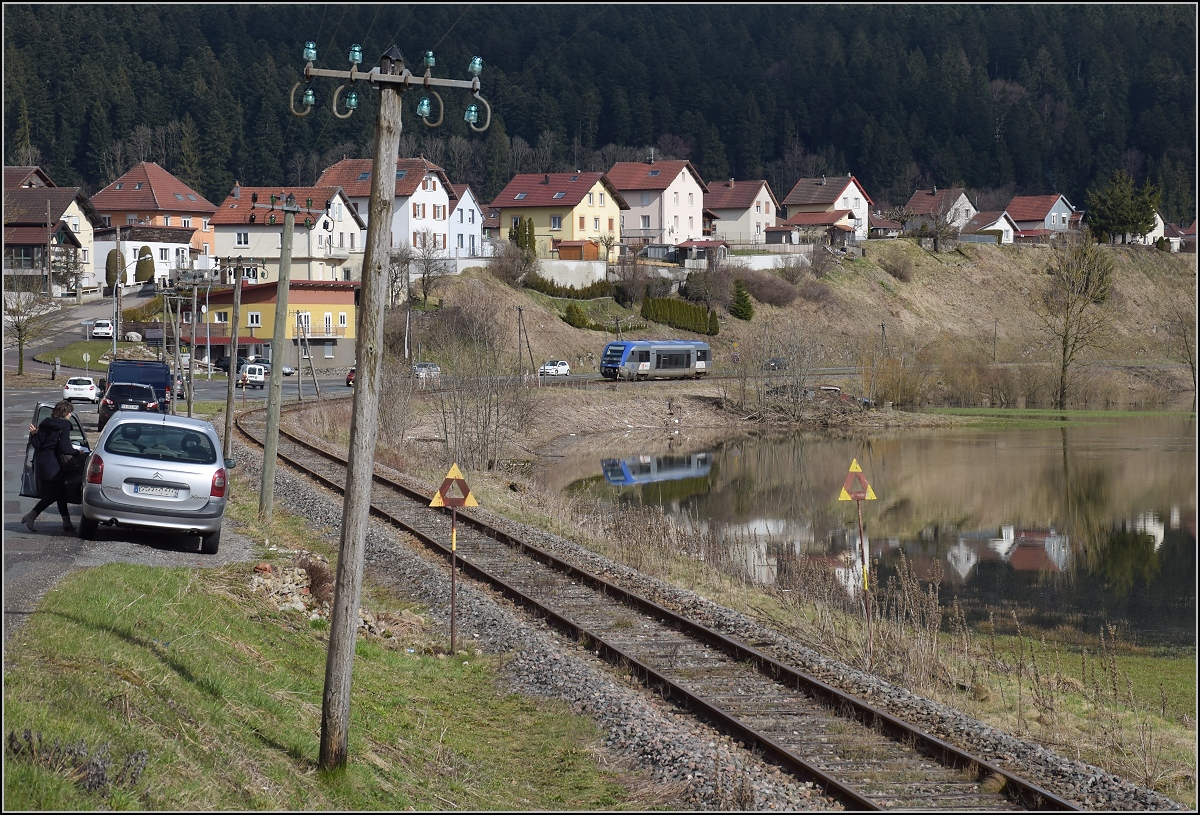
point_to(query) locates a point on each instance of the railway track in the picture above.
(861, 756)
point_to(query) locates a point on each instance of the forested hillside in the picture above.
(1003, 99)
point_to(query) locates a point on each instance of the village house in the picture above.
(37, 214)
(936, 208)
(249, 225)
(1040, 217)
(320, 323)
(148, 195)
(168, 249)
(564, 207)
(880, 227)
(466, 222)
(836, 228)
(989, 227)
(828, 195)
(744, 210)
(664, 199)
(420, 209)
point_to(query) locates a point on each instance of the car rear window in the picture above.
(161, 443)
(144, 393)
(79, 381)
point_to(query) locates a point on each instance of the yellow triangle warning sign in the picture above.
(454, 491)
(856, 487)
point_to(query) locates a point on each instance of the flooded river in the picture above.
(1075, 527)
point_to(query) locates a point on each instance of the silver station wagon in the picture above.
(157, 471)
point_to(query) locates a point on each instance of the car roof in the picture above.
(167, 419)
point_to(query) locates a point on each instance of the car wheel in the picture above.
(87, 529)
(210, 543)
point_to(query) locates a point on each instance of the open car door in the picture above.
(29, 487)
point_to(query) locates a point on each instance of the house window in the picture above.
(675, 199)
(342, 319)
(243, 239)
(622, 222)
(254, 319)
(460, 216)
(329, 349)
(341, 240)
(221, 317)
(757, 228)
(416, 210)
(645, 199)
(591, 195)
(205, 227)
(460, 240)
(645, 222)
(187, 223)
(181, 256)
(582, 222)
(130, 220)
(596, 224)
(610, 229)
(520, 196)
(83, 255)
(516, 221)
(328, 323)
(166, 220)
(560, 195)
(471, 217)
(351, 241)
(691, 223)
(675, 222)
(555, 222)
(857, 202)
(1053, 219)
(846, 202)
(164, 254)
(767, 207)
(107, 219)
(690, 198)
(601, 199)
(758, 208)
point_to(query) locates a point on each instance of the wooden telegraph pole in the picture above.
(236, 272)
(392, 78)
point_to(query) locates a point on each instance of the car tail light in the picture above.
(107, 401)
(218, 484)
(151, 405)
(95, 473)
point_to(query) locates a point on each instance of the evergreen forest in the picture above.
(1001, 99)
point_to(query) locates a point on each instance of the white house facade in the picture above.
(466, 223)
(250, 229)
(948, 206)
(169, 247)
(1033, 213)
(665, 198)
(745, 210)
(830, 195)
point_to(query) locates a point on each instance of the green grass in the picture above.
(224, 695)
(1042, 417)
(71, 355)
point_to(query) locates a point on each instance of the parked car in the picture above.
(102, 328)
(349, 377)
(555, 367)
(81, 389)
(125, 396)
(223, 364)
(180, 386)
(160, 472)
(252, 375)
(426, 372)
(775, 364)
(79, 441)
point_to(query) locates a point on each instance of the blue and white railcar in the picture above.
(625, 472)
(655, 359)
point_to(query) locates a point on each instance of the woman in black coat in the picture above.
(53, 436)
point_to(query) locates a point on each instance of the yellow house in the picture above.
(564, 207)
(320, 311)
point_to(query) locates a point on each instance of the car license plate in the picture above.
(163, 492)
(131, 407)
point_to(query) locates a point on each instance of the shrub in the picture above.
(822, 262)
(815, 291)
(793, 270)
(678, 314)
(510, 264)
(576, 317)
(899, 267)
(767, 288)
(145, 265)
(601, 288)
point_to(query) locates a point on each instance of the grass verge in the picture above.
(135, 687)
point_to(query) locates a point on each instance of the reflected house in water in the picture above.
(1024, 550)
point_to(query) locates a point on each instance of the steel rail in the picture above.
(1026, 793)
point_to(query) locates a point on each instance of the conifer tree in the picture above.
(741, 307)
(145, 265)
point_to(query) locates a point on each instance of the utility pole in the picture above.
(392, 78)
(266, 490)
(236, 272)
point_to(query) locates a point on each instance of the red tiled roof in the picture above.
(818, 218)
(150, 188)
(27, 205)
(982, 221)
(927, 202)
(734, 194)
(18, 177)
(538, 193)
(1033, 233)
(638, 175)
(879, 222)
(703, 244)
(821, 190)
(1032, 207)
(1191, 230)
(35, 235)
(354, 176)
(236, 210)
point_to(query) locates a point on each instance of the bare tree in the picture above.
(544, 155)
(430, 263)
(29, 312)
(434, 150)
(608, 240)
(463, 156)
(483, 406)
(1074, 309)
(1181, 331)
(520, 155)
(902, 214)
(399, 265)
(67, 268)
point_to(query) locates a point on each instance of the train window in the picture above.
(643, 356)
(675, 360)
(702, 355)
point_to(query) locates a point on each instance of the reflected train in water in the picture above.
(626, 472)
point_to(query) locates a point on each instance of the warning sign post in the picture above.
(453, 493)
(857, 489)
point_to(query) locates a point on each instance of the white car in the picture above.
(102, 328)
(555, 367)
(81, 389)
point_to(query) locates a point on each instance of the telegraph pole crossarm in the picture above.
(392, 79)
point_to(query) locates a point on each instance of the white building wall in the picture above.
(466, 227)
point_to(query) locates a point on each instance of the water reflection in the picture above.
(1072, 527)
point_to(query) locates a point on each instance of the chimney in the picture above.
(934, 189)
(651, 155)
(731, 183)
(547, 181)
(822, 179)
(237, 190)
